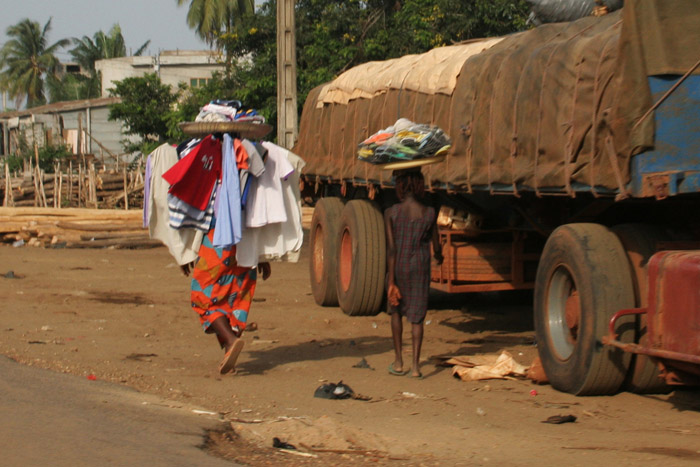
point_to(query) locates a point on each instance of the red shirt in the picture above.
(193, 177)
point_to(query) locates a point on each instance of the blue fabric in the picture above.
(228, 216)
(183, 216)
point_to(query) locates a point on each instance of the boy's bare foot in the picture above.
(396, 369)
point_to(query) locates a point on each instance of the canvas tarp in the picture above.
(433, 72)
(541, 110)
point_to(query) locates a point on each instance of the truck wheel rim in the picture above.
(345, 270)
(317, 256)
(563, 312)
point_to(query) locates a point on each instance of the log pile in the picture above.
(74, 228)
(82, 186)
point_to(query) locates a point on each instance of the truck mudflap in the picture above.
(673, 316)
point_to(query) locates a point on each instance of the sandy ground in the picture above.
(123, 316)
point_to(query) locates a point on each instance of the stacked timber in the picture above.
(74, 228)
(84, 186)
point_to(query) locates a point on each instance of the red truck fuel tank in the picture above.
(673, 314)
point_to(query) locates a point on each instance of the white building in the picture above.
(192, 67)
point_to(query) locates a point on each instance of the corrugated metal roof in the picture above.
(58, 107)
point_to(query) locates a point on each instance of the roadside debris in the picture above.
(338, 391)
(12, 275)
(362, 364)
(559, 419)
(481, 367)
(279, 444)
(536, 372)
(334, 391)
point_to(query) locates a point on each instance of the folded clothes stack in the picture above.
(403, 141)
(220, 110)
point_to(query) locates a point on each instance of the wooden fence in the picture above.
(80, 185)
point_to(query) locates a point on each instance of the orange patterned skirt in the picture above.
(219, 287)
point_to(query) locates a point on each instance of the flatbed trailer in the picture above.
(580, 169)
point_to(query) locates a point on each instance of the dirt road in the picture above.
(124, 317)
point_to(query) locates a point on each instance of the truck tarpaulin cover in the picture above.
(551, 109)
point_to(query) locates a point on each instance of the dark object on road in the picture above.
(334, 391)
(12, 275)
(279, 444)
(559, 419)
(362, 364)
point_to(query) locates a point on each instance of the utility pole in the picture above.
(287, 127)
(156, 64)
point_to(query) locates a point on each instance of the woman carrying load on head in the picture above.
(221, 294)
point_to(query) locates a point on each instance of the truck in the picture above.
(574, 171)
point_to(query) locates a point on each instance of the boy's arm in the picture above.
(392, 291)
(437, 246)
(390, 248)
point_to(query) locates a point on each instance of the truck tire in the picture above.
(323, 263)
(639, 242)
(361, 259)
(582, 280)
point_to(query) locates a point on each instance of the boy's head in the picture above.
(409, 181)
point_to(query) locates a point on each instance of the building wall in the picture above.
(173, 67)
(108, 133)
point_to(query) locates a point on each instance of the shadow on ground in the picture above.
(260, 361)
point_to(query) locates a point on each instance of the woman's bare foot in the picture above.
(228, 364)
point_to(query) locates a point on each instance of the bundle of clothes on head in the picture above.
(403, 141)
(248, 191)
(220, 110)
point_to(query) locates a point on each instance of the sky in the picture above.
(161, 21)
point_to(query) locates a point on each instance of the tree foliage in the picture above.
(332, 36)
(101, 46)
(27, 59)
(211, 19)
(86, 52)
(144, 108)
(335, 35)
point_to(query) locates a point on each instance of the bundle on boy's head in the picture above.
(409, 181)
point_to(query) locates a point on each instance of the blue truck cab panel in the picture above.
(673, 166)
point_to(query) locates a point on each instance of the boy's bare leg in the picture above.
(396, 332)
(417, 333)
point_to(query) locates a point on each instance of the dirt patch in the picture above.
(119, 298)
(128, 320)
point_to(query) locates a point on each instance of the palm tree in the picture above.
(211, 18)
(27, 61)
(102, 46)
(86, 52)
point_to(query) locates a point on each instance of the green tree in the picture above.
(145, 106)
(335, 35)
(211, 19)
(27, 61)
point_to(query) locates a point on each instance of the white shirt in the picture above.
(265, 203)
(183, 244)
(281, 240)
